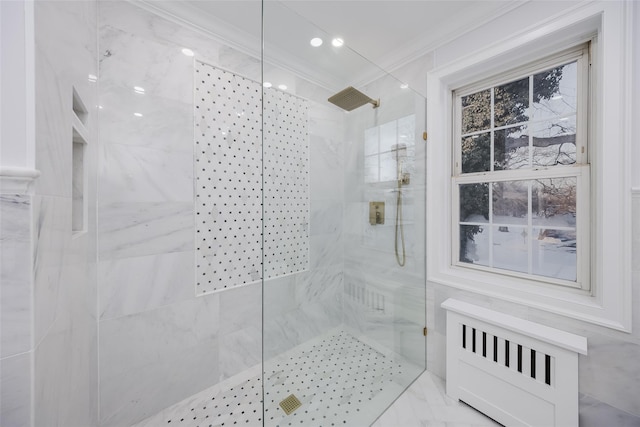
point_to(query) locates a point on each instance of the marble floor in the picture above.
(338, 380)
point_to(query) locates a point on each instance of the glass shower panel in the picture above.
(343, 294)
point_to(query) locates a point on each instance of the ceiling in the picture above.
(387, 33)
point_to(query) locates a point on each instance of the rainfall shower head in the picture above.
(351, 98)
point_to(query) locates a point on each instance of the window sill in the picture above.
(568, 302)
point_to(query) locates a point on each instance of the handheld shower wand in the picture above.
(402, 179)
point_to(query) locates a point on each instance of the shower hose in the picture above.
(399, 226)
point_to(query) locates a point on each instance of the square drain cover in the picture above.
(290, 404)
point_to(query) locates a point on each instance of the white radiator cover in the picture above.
(517, 372)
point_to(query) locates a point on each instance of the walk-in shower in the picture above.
(262, 294)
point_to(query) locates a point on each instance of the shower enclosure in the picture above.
(261, 249)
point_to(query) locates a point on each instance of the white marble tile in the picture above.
(424, 403)
(610, 372)
(129, 60)
(326, 250)
(15, 274)
(239, 350)
(53, 130)
(319, 285)
(65, 369)
(52, 231)
(137, 229)
(15, 390)
(326, 216)
(165, 124)
(635, 229)
(155, 358)
(132, 395)
(326, 181)
(139, 174)
(241, 308)
(594, 413)
(137, 284)
(66, 38)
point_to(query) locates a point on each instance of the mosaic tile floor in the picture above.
(338, 379)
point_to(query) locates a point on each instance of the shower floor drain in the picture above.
(290, 404)
(331, 380)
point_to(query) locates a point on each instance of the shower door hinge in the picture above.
(424, 331)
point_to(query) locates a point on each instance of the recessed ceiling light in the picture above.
(282, 87)
(188, 52)
(316, 41)
(337, 42)
(404, 86)
(267, 84)
(137, 114)
(138, 89)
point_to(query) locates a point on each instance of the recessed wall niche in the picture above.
(229, 179)
(79, 205)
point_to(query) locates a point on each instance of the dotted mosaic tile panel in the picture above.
(336, 379)
(228, 156)
(286, 184)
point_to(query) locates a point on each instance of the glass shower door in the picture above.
(343, 228)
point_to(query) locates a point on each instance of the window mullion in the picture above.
(530, 225)
(490, 225)
(492, 135)
(529, 122)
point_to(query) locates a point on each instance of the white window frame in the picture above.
(580, 170)
(608, 300)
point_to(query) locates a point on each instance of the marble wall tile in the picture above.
(15, 274)
(15, 390)
(326, 250)
(325, 166)
(53, 125)
(241, 308)
(594, 413)
(610, 372)
(152, 359)
(239, 350)
(326, 217)
(65, 366)
(166, 124)
(129, 60)
(139, 174)
(52, 231)
(138, 229)
(137, 284)
(132, 395)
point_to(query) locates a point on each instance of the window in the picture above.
(601, 292)
(521, 172)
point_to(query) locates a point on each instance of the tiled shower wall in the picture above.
(229, 162)
(48, 359)
(159, 343)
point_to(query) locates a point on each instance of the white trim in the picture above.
(17, 180)
(610, 305)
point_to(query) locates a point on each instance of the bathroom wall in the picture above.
(65, 332)
(609, 374)
(49, 334)
(159, 342)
